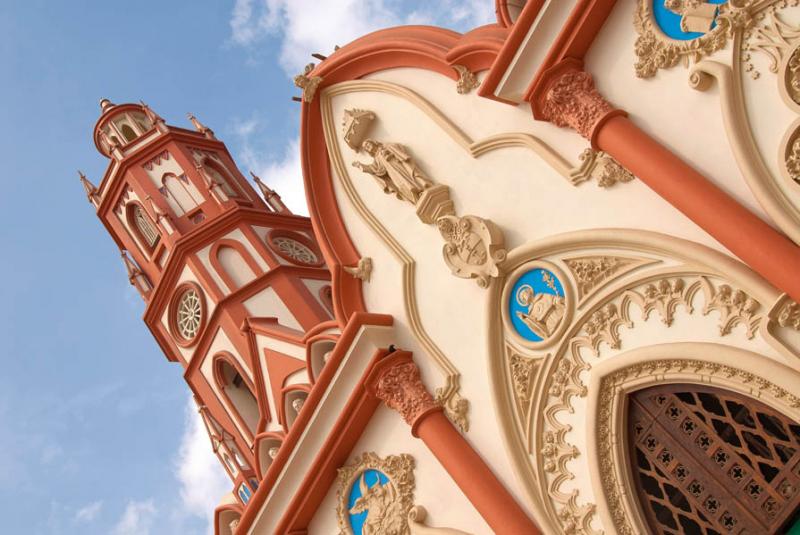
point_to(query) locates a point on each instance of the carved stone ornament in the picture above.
(399, 385)
(355, 126)
(600, 166)
(363, 270)
(416, 523)
(573, 101)
(717, 23)
(307, 83)
(473, 247)
(591, 272)
(789, 315)
(777, 40)
(383, 491)
(467, 81)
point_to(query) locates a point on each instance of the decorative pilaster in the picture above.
(571, 100)
(396, 381)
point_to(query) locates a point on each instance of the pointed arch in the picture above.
(142, 227)
(236, 387)
(179, 193)
(220, 175)
(293, 398)
(232, 261)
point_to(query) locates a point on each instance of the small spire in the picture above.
(200, 127)
(133, 269)
(266, 191)
(271, 196)
(105, 104)
(91, 190)
(153, 116)
(135, 275)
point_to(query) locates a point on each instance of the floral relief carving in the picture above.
(665, 296)
(473, 246)
(614, 490)
(400, 387)
(467, 81)
(603, 326)
(572, 101)
(600, 166)
(522, 370)
(789, 315)
(735, 307)
(592, 271)
(655, 51)
(387, 504)
(772, 36)
(455, 407)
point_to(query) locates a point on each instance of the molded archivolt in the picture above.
(642, 292)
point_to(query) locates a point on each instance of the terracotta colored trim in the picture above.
(303, 387)
(764, 249)
(509, 49)
(309, 346)
(219, 379)
(396, 380)
(501, 11)
(321, 328)
(312, 494)
(213, 257)
(478, 48)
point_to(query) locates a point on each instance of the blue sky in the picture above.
(96, 432)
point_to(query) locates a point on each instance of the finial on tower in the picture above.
(91, 190)
(271, 196)
(135, 276)
(200, 127)
(151, 115)
(105, 104)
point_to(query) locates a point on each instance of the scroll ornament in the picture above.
(473, 246)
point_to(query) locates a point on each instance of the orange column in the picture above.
(571, 100)
(396, 381)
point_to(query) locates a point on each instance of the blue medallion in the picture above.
(364, 491)
(685, 20)
(536, 304)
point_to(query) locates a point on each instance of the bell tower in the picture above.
(211, 259)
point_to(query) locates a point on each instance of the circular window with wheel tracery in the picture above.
(187, 312)
(294, 247)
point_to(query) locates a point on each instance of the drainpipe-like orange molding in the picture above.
(396, 381)
(568, 98)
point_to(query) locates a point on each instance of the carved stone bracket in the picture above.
(307, 83)
(467, 81)
(362, 271)
(600, 166)
(396, 381)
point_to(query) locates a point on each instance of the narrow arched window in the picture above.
(142, 225)
(220, 176)
(707, 460)
(128, 133)
(182, 199)
(238, 393)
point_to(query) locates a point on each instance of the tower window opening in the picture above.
(142, 225)
(238, 392)
(128, 133)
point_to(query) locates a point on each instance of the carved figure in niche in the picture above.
(297, 404)
(395, 170)
(545, 311)
(384, 509)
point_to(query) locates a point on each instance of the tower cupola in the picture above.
(121, 126)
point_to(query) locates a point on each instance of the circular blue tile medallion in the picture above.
(536, 304)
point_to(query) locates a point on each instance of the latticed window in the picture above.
(187, 312)
(144, 227)
(295, 250)
(711, 462)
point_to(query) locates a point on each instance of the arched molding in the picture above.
(180, 193)
(535, 390)
(262, 449)
(612, 380)
(275, 234)
(287, 406)
(233, 189)
(219, 360)
(245, 255)
(226, 518)
(317, 348)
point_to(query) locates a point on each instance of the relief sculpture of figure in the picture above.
(383, 508)
(545, 311)
(395, 170)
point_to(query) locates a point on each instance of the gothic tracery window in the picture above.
(142, 225)
(294, 247)
(708, 461)
(187, 313)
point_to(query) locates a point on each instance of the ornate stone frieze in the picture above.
(603, 326)
(400, 386)
(308, 83)
(665, 295)
(383, 491)
(735, 307)
(789, 315)
(591, 272)
(573, 101)
(772, 36)
(716, 24)
(467, 81)
(522, 370)
(473, 246)
(600, 166)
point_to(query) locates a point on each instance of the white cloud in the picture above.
(201, 477)
(306, 26)
(88, 512)
(284, 174)
(137, 518)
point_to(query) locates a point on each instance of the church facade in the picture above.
(549, 282)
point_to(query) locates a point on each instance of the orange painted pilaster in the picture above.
(396, 381)
(571, 100)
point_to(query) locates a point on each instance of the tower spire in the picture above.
(271, 196)
(91, 190)
(135, 276)
(153, 117)
(200, 127)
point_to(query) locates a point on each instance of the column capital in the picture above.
(396, 381)
(566, 96)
